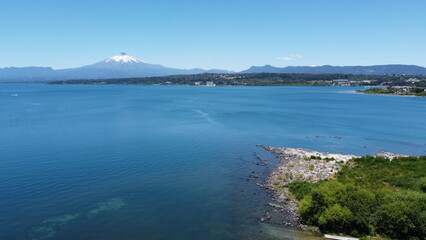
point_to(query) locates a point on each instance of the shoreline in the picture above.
(388, 94)
(298, 164)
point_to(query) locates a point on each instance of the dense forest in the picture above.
(371, 196)
(255, 79)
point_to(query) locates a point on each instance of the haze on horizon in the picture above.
(221, 34)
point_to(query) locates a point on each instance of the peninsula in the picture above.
(370, 196)
(397, 90)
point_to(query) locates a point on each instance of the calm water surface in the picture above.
(172, 162)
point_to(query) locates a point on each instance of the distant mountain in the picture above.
(119, 66)
(125, 66)
(365, 70)
(26, 73)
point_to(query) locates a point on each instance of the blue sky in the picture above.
(225, 34)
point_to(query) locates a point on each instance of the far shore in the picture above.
(389, 94)
(410, 92)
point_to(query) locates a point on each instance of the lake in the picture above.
(173, 162)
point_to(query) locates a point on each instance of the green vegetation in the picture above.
(312, 157)
(254, 79)
(378, 91)
(413, 91)
(300, 189)
(375, 196)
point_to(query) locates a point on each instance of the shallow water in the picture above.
(173, 162)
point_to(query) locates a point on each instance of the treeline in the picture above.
(373, 196)
(253, 79)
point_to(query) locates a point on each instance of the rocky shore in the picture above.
(297, 164)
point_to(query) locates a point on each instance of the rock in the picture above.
(390, 155)
(276, 205)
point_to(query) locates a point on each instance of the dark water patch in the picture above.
(49, 228)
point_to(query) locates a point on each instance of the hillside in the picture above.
(364, 70)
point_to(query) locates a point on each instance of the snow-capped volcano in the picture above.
(118, 66)
(123, 58)
(122, 66)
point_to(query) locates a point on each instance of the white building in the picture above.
(413, 80)
(341, 83)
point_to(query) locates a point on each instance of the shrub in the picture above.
(335, 219)
(422, 184)
(300, 189)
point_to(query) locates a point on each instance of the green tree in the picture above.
(335, 219)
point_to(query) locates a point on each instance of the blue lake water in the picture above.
(172, 162)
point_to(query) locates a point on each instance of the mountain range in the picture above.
(125, 66)
(389, 69)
